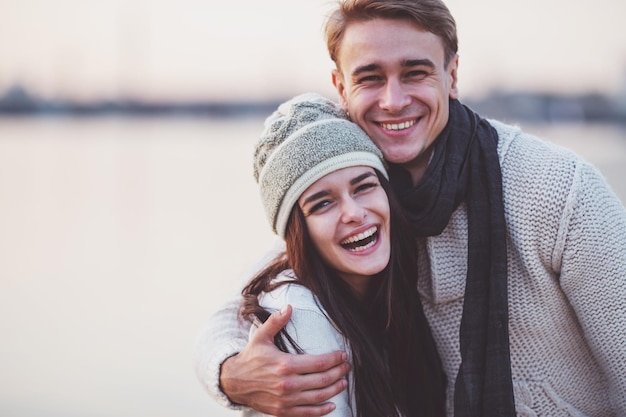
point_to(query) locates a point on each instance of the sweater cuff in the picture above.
(214, 368)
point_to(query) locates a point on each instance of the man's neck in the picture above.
(417, 167)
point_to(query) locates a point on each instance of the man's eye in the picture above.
(417, 74)
(368, 79)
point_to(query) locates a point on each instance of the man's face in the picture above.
(392, 81)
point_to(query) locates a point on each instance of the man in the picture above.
(522, 245)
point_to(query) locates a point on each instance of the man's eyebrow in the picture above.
(425, 62)
(407, 63)
(365, 68)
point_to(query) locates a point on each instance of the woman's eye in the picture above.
(318, 206)
(366, 186)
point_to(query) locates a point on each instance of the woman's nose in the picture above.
(352, 211)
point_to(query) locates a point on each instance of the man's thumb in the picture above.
(276, 321)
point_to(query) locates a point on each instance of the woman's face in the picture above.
(347, 215)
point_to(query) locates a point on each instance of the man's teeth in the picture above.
(398, 126)
(360, 236)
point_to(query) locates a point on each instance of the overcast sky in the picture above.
(198, 49)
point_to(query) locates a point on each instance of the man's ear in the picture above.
(339, 84)
(452, 72)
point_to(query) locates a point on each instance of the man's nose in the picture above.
(394, 96)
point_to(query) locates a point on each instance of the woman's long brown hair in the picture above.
(397, 370)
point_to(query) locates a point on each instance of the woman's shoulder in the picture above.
(290, 292)
(310, 325)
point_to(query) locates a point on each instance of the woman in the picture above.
(349, 270)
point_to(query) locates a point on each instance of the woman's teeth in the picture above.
(361, 241)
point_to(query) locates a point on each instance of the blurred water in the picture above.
(118, 237)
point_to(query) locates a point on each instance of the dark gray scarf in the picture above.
(465, 167)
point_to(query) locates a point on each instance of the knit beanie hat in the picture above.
(307, 138)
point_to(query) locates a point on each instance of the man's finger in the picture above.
(276, 321)
(319, 380)
(319, 396)
(312, 403)
(323, 362)
(307, 410)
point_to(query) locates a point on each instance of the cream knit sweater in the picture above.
(566, 239)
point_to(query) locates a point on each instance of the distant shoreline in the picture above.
(521, 106)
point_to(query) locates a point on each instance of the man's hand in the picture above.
(279, 383)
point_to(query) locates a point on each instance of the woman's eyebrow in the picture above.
(324, 193)
(315, 196)
(361, 177)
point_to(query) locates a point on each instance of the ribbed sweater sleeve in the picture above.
(225, 335)
(567, 281)
(222, 337)
(593, 274)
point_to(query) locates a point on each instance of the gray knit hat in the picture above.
(308, 137)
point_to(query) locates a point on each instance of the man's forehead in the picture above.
(385, 42)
